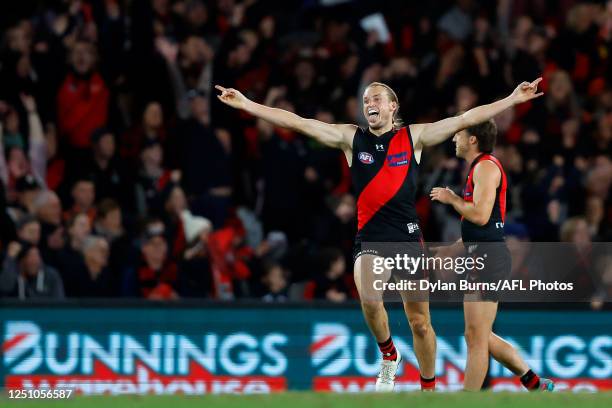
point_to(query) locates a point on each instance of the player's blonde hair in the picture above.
(397, 121)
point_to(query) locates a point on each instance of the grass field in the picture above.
(309, 399)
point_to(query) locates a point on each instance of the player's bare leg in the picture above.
(507, 355)
(371, 300)
(424, 339)
(377, 319)
(479, 318)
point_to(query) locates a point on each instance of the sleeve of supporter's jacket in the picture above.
(56, 286)
(8, 275)
(38, 147)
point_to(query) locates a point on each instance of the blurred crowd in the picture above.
(122, 175)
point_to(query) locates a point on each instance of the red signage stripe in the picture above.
(387, 181)
(9, 344)
(319, 344)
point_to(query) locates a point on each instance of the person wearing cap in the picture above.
(154, 275)
(26, 188)
(25, 276)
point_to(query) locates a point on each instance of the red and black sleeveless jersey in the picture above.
(493, 230)
(384, 173)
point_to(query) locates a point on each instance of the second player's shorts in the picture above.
(497, 265)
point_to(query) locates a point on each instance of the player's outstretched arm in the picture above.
(338, 136)
(486, 179)
(428, 134)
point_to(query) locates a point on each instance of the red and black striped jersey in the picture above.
(384, 174)
(493, 230)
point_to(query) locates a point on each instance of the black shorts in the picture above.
(411, 249)
(497, 262)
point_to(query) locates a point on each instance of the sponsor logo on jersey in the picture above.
(396, 160)
(412, 227)
(366, 158)
(380, 148)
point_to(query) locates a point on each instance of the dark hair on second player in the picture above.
(486, 134)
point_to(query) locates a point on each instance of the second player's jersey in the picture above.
(493, 230)
(384, 173)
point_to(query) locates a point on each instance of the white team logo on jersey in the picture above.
(366, 158)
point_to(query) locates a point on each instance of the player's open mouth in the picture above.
(372, 113)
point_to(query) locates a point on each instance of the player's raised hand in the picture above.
(526, 91)
(443, 195)
(232, 97)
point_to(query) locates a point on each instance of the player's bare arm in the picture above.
(429, 134)
(486, 180)
(332, 135)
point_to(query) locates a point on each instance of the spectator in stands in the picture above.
(189, 67)
(274, 280)
(604, 287)
(579, 257)
(151, 129)
(12, 133)
(206, 173)
(195, 278)
(152, 178)
(156, 274)
(83, 197)
(174, 203)
(26, 189)
(28, 229)
(151, 83)
(82, 101)
(7, 225)
(48, 210)
(25, 276)
(92, 277)
(71, 258)
(109, 225)
(106, 170)
(56, 164)
(24, 155)
(331, 283)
